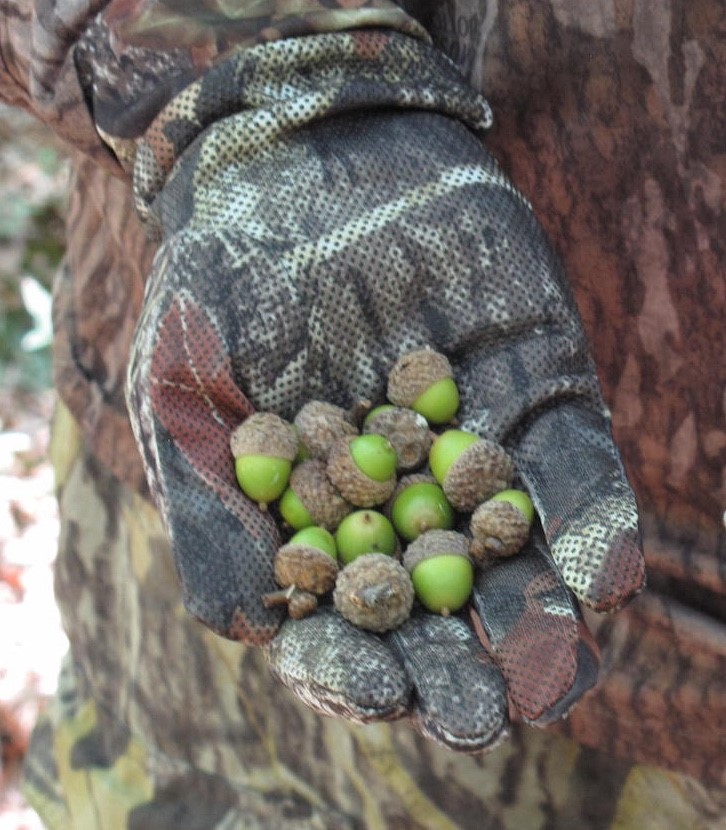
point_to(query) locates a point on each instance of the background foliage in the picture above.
(33, 177)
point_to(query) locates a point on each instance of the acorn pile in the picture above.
(368, 501)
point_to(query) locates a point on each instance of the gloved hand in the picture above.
(299, 263)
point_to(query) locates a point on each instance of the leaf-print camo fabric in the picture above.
(664, 659)
(199, 735)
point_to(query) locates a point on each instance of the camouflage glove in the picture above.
(300, 259)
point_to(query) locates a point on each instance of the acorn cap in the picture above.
(265, 433)
(482, 470)
(403, 483)
(320, 498)
(354, 485)
(305, 567)
(408, 432)
(302, 604)
(320, 425)
(374, 592)
(435, 543)
(414, 372)
(498, 528)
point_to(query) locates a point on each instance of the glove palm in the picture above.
(303, 271)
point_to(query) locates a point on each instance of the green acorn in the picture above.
(365, 531)
(469, 469)
(418, 504)
(264, 447)
(363, 469)
(441, 570)
(423, 380)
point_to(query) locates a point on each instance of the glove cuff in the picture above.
(284, 85)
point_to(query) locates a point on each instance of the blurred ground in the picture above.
(32, 186)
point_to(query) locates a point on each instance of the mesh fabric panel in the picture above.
(310, 240)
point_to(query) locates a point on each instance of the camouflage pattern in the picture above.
(113, 750)
(137, 56)
(607, 117)
(255, 216)
(97, 300)
(288, 85)
(122, 61)
(38, 70)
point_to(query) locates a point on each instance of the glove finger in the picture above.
(588, 511)
(508, 322)
(531, 624)
(460, 697)
(186, 405)
(338, 669)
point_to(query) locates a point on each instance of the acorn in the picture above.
(469, 469)
(320, 425)
(500, 526)
(441, 570)
(365, 531)
(374, 592)
(308, 561)
(363, 468)
(408, 432)
(264, 447)
(418, 504)
(311, 499)
(423, 380)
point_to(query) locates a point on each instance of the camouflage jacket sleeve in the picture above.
(99, 72)
(37, 69)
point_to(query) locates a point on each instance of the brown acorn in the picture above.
(414, 372)
(374, 592)
(305, 566)
(499, 528)
(408, 432)
(320, 498)
(320, 425)
(478, 473)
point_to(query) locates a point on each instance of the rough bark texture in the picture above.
(610, 117)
